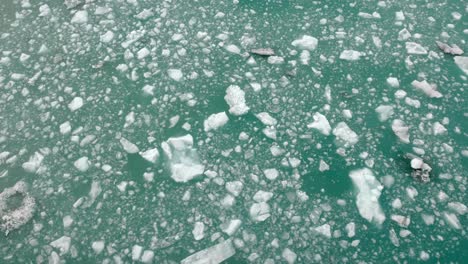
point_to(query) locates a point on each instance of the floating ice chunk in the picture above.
(198, 231)
(415, 48)
(233, 49)
(262, 196)
(80, 17)
(129, 119)
(234, 187)
(98, 246)
(215, 254)
(235, 98)
(143, 53)
(263, 52)
(350, 55)
(107, 37)
(438, 129)
(82, 164)
(73, 3)
(324, 230)
(12, 217)
(182, 158)
(400, 130)
(259, 211)
(136, 252)
(128, 146)
(404, 34)
(266, 119)
(452, 220)
(289, 256)
(351, 229)
(75, 104)
(402, 221)
(369, 190)
(428, 89)
(454, 49)
(150, 155)
(321, 124)
(271, 174)
(345, 134)
(34, 162)
(417, 163)
(306, 43)
(462, 63)
(393, 82)
(44, 10)
(275, 60)
(62, 244)
(148, 89)
(65, 128)
(231, 227)
(147, 257)
(215, 121)
(67, 221)
(323, 166)
(175, 74)
(384, 112)
(458, 207)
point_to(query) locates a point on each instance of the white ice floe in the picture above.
(324, 230)
(321, 124)
(231, 227)
(393, 82)
(345, 134)
(232, 49)
(98, 246)
(198, 231)
(262, 196)
(271, 174)
(350, 55)
(235, 98)
(306, 43)
(401, 130)
(462, 63)
(215, 254)
(82, 164)
(175, 74)
(80, 17)
(259, 211)
(14, 218)
(34, 162)
(266, 119)
(428, 89)
(289, 256)
(183, 159)
(150, 155)
(415, 48)
(128, 146)
(215, 121)
(368, 193)
(76, 104)
(62, 244)
(384, 112)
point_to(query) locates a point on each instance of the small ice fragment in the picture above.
(62, 244)
(402, 221)
(452, 220)
(324, 230)
(234, 187)
(143, 53)
(323, 166)
(259, 211)
(75, 104)
(384, 112)
(306, 43)
(400, 130)
(415, 48)
(417, 163)
(266, 119)
(235, 98)
(198, 231)
(404, 34)
(182, 158)
(345, 134)
(107, 37)
(369, 190)
(128, 146)
(275, 60)
(462, 63)
(428, 89)
(289, 256)
(271, 174)
(65, 128)
(454, 49)
(215, 254)
(175, 74)
(458, 207)
(82, 164)
(215, 121)
(321, 124)
(393, 82)
(80, 17)
(147, 257)
(231, 227)
(34, 162)
(98, 246)
(263, 52)
(150, 155)
(262, 196)
(350, 55)
(136, 252)
(233, 49)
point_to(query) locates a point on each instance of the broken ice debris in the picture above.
(62, 244)
(215, 121)
(212, 255)
(344, 134)
(454, 49)
(235, 98)
(421, 170)
(369, 190)
(14, 218)
(259, 211)
(305, 43)
(150, 155)
(183, 159)
(34, 162)
(462, 63)
(400, 130)
(415, 48)
(128, 146)
(321, 124)
(350, 55)
(263, 52)
(428, 89)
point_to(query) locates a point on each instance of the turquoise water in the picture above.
(112, 201)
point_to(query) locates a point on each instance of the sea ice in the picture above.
(235, 98)
(215, 121)
(321, 124)
(306, 43)
(369, 190)
(215, 254)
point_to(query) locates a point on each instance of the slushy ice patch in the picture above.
(13, 216)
